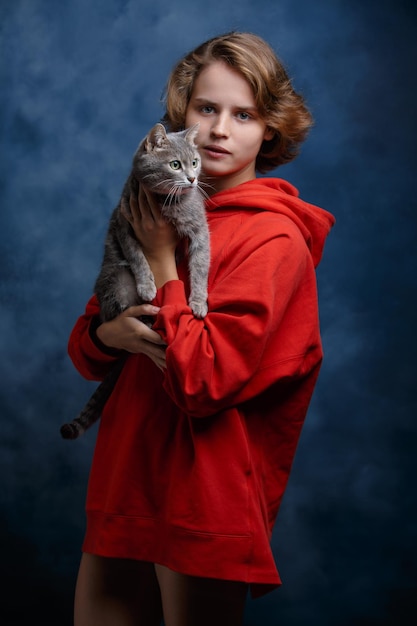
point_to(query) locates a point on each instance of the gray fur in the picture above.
(168, 164)
(125, 277)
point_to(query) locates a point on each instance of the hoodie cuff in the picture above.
(172, 293)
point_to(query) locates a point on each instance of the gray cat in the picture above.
(168, 164)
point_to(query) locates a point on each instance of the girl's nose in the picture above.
(220, 127)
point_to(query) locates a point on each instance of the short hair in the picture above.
(283, 110)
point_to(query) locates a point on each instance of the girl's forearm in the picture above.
(164, 269)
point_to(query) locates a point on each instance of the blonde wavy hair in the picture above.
(283, 110)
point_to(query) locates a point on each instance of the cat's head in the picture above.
(167, 160)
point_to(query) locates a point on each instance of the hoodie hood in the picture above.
(278, 196)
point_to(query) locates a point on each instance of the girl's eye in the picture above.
(175, 165)
(207, 109)
(244, 116)
(195, 163)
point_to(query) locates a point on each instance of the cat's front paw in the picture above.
(147, 291)
(199, 309)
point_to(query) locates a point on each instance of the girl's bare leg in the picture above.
(116, 592)
(192, 601)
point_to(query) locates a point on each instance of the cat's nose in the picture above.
(191, 179)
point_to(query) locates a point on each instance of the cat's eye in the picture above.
(195, 163)
(175, 165)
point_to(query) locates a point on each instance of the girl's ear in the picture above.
(269, 134)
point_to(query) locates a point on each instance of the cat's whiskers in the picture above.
(203, 191)
(174, 195)
(205, 183)
(165, 183)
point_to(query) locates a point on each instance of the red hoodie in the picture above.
(190, 466)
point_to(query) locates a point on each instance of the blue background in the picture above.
(80, 85)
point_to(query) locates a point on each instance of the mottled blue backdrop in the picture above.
(80, 85)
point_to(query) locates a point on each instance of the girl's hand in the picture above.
(128, 332)
(158, 238)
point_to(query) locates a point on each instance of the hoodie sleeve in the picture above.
(90, 357)
(262, 324)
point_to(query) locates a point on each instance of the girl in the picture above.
(196, 442)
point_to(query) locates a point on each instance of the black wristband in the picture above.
(94, 324)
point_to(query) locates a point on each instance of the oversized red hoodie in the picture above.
(190, 466)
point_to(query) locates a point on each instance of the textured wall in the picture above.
(80, 85)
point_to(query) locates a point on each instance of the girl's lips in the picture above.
(215, 151)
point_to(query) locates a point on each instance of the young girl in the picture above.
(196, 442)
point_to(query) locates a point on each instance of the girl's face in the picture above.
(231, 131)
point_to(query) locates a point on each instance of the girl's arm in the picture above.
(262, 325)
(93, 347)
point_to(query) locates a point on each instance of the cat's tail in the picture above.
(94, 407)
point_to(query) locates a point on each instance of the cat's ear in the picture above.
(156, 138)
(191, 133)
